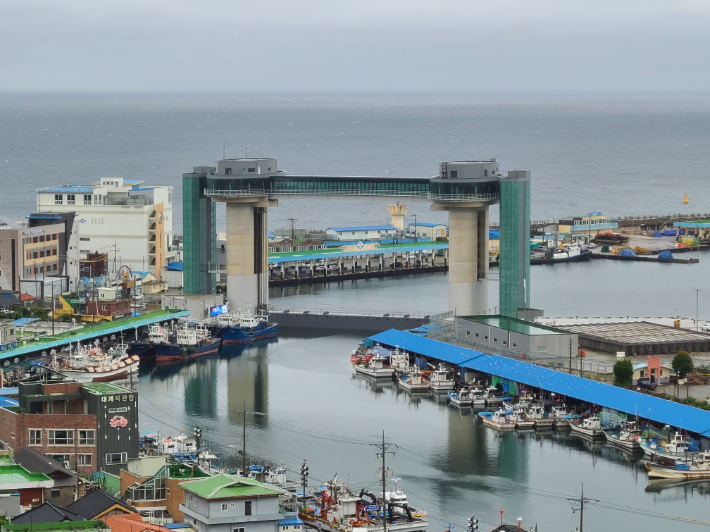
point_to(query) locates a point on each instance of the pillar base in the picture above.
(468, 298)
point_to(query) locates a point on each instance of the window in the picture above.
(170, 197)
(54, 493)
(454, 173)
(58, 199)
(485, 173)
(87, 199)
(61, 437)
(252, 169)
(87, 437)
(85, 459)
(485, 337)
(224, 506)
(495, 340)
(232, 505)
(468, 333)
(61, 458)
(238, 529)
(104, 307)
(35, 437)
(227, 171)
(476, 336)
(247, 507)
(116, 458)
(71, 199)
(514, 345)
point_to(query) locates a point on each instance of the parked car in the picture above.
(591, 245)
(706, 327)
(645, 382)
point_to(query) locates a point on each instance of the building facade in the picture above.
(88, 427)
(10, 257)
(367, 232)
(130, 222)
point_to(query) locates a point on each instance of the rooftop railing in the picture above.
(332, 311)
(209, 192)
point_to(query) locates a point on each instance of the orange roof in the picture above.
(130, 523)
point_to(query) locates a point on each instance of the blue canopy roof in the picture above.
(290, 521)
(605, 395)
(21, 322)
(365, 228)
(175, 266)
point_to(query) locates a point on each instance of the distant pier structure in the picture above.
(465, 189)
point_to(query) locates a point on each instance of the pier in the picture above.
(89, 333)
(325, 277)
(349, 319)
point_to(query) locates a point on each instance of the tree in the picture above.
(682, 364)
(623, 372)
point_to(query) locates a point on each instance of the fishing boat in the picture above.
(696, 468)
(245, 327)
(491, 396)
(374, 368)
(92, 364)
(558, 413)
(463, 397)
(478, 397)
(624, 437)
(412, 381)
(589, 426)
(196, 341)
(439, 380)
(521, 420)
(663, 452)
(399, 360)
(498, 420)
(542, 419)
(336, 508)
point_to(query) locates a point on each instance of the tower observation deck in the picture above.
(250, 186)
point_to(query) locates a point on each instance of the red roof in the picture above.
(26, 297)
(130, 523)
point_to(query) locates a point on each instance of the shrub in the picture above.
(682, 364)
(623, 372)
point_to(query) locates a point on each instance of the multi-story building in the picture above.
(10, 257)
(88, 427)
(227, 503)
(130, 222)
(49, 254)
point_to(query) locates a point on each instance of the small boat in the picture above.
(521, 420)
(196, 341)
(559, 416)
(668, 453)
(492, 396)
(589, 426)
(478, 397)
(462, 397)
(399, 360)
(623, 437)
(697, 468)
(412, 381)
(375, 368)
(439, 380)
(542, 419)
(245, 327)
(497, 420)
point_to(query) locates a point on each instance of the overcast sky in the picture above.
(336, 45)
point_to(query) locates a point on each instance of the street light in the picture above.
(697, 306)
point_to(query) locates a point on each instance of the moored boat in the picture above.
(697, 468)
(374, 368)
(542, 419)
(462, 397)
(497, 420)
(439, 380)
(491, 396)
(589, 426)
(623, 437)
(92, 364)
(663, 452)
(245, 327)
(558, 413)
(412, 381)
(521, 420)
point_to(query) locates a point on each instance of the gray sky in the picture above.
(327, 45)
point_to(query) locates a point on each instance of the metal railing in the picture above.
(351, 193)
(210, 192)
(333, 311)
(465, 197)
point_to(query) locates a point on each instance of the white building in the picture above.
(131, 222)
(426, 230)
(366, 232)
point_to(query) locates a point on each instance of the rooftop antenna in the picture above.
(224, 151)
(246, 151)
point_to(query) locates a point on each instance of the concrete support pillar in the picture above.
(247, 255)
(468, 286)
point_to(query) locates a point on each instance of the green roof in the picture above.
(13, 474)
(515, 325)
(64, 525)
(5, 459)
(105, 388)
(185, 471)
(108, 483)
(228, 487)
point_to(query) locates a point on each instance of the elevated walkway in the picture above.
(46, 343)
(648, 407)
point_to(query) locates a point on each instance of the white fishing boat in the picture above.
(399, 360)
(492, 396)
(497, 420)
(478, 397)
(666, 452)
(589, 426)
(412, 381)
(439, 380)
(463, 397)
(521, 420)
(624, 437)
(92, 364)
(696, 468)
(559, 414)
(567, 252)
(542, 419)
(374, 367)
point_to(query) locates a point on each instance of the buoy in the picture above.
(685, 198)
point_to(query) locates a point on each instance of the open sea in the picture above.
(621, 154)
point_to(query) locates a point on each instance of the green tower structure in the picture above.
(199, 230)
(514, 242)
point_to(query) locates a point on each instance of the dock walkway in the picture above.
(45, 343)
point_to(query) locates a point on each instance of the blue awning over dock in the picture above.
(612, 397)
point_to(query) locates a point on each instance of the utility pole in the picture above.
(415, 227)
(293, 232)
(304, 479)
(570, 356)
(382, 450)
(697, 307)
(582, 502)
(244, 439)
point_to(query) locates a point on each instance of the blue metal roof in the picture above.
(9, 391)
(425, 224)
(290, 521)
(6, 401)
(620, 399)
(76, 189)
(270, 234)
(365, 228)
(177, 266)
(21, 322)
